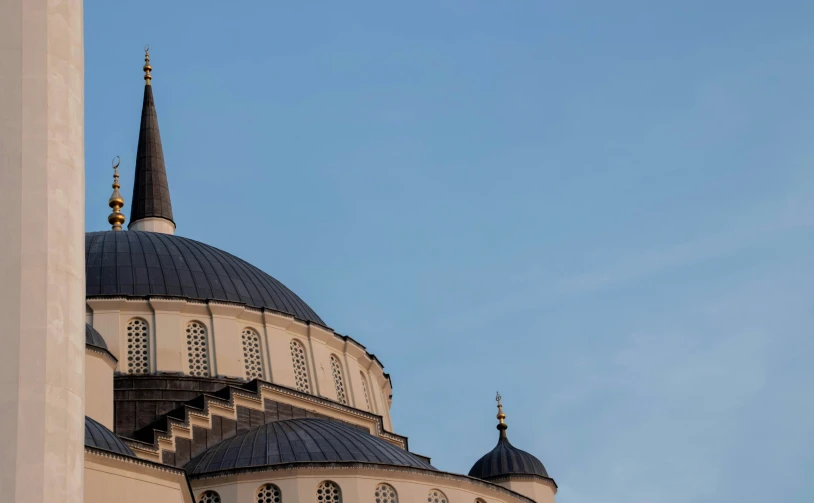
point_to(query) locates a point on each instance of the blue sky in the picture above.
(605, 210)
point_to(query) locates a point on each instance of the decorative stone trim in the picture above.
(432, 474)
(104, 353)
(136, 461)
(165, 440)
(524, 476)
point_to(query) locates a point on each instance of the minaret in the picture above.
(116, 200)
(42, 251)
(151, 209)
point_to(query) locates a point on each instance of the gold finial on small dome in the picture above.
(116, 201)
(147, 68)
(501, 417)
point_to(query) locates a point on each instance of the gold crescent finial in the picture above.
(501, 417)
(147, 68)
(116, 201)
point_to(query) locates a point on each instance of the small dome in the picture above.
(506, 459)
(99, 437)
(94, 338)
(144, 264)
(301, 441)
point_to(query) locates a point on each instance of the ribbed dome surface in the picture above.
(506, 459)
(100, 437)
(94, 338)
(142, 264)
(301, 440)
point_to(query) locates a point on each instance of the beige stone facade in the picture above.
(168, 320)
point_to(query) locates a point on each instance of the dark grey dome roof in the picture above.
(506, 459)
(100, 437)
(301, 441)
(94, 338)
(142, 264)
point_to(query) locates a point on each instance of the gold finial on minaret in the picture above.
(116, 200)
(147, 68)
(501, 416)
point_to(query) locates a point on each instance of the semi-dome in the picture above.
(94, 338)
(144, 264)
(305, 440)
(99, 437)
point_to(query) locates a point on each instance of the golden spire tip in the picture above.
(501, 416)
(116, 201)
(147, 68)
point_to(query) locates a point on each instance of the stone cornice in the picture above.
(243, 392)
(104, 353)
(524, 476)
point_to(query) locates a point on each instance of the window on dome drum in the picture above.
(385, 493)
(197, 349)
(300, 367)
(209, 497)
(364, 388)
(269, 493)
(138, 347)
(252, 361)
(328, 492)
(336, 370)
(437, 496)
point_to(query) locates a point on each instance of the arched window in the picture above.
(269, 493)
(480, 500)
(197, 349)
(138, 347)
(336, 370)
(209, 497)
(328, 492)
(300, 367)
(385, 493)
(252, 361)
(436, 496)
(364, 388)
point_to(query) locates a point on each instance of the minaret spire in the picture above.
(151, 208)
(116, 201)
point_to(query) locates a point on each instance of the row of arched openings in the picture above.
(198, 360)
(198, 357)
(329, 492)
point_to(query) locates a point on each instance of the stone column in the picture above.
(42, 270)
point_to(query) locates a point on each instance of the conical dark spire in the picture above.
(151, 192)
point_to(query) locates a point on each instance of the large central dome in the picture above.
(144, 264)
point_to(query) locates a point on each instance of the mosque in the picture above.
(206, 380)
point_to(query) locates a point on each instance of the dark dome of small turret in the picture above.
(506, 459)
(94, 338)
(306, 440)
(99, 437)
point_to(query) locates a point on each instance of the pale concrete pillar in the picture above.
(170, 338)
(227, 351)
(42, 269)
